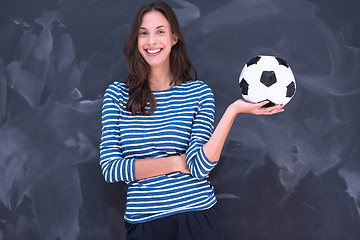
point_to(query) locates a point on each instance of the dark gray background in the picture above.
(295, 175)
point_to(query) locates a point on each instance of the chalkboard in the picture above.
(294, 175)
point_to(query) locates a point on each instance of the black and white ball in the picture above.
(267, 78)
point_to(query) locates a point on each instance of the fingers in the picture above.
(268, 110)
(263, 103)
(258, 108)
(274, 109)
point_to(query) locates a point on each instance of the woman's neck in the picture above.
(160, 79)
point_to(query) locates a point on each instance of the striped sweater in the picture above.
(182, 123)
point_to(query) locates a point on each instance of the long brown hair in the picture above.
(141, 99)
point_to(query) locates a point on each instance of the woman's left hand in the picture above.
(242, 106)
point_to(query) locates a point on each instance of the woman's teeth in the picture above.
(152, 51)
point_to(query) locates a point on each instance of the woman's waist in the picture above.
(167, 188)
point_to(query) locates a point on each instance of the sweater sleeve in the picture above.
(114, 166)
(199, 165)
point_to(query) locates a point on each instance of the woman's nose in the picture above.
(152, 39)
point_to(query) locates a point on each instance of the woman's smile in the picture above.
(153, 52)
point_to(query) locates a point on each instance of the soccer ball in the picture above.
(267, 78)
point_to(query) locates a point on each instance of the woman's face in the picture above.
(155, 39)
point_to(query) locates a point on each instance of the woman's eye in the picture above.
(161, 31)
(142, 33)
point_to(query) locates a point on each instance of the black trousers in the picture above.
(198, 225)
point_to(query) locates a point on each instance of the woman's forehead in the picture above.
(154, 19)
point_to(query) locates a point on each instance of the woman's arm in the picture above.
(151, 167)
(213, 147)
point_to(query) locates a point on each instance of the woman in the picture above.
(158, 134)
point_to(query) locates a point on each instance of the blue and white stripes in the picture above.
(182, 123)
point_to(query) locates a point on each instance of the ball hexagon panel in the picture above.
(268, 63)
(284, 75)
(257, 92)
(251, 73)
(276, 93)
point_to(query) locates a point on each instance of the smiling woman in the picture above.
(157, 134)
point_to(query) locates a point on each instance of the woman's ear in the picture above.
(175, 39)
